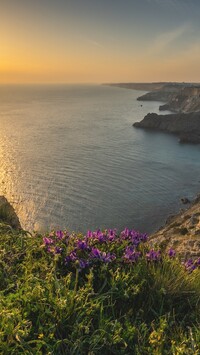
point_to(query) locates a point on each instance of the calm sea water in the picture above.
(71, 158)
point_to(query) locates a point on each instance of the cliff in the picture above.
(187, 100)
(181, 232)
(7, 214)
(179, 97)
(164, 93)
(185, 125)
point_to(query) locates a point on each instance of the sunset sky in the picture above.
(76, 41)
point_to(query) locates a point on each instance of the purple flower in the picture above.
(71, 257)
(125, 234)
(135, 237)
(58, 250)
(131, 255)
(153, 255)
(107, 258)
(190, 265)
(89, 234)
(111, 234)
(95, 253)
(82, 244)
(171, 253)
(83, 263)
(48, 241)
(59, 234)
(103, 256)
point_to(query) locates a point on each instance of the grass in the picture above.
(118, 307)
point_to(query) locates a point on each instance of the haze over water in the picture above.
(70, 158)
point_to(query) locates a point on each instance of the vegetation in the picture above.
(102, 293)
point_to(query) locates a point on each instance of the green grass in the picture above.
(47, 308)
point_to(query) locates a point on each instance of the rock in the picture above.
(179, 97)
(185, 125)
(8, 214)
(185, 200)
(165, 107)
(182, 232)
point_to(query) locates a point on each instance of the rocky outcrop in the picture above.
(179, 97)
(187, 100)
(186, 126)
(181, 232)
(164, 93)
(7, 214)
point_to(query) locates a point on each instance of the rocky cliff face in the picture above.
(178, 97)
(164, 93)
(186, 126)
(181, 232)
(187, 100)
(7, 214)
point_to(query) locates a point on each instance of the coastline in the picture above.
(182, 230)
(17, 223)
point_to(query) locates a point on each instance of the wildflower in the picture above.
(89, 234)
(171, 253)
(95, 253)
(125, 234)
(48, 241)
(82, 244)
(153, 255)
(59, 234)
(111, 234)
(107, 258)
(131, 255)
(58, 250)
(83, 263)
(71, 257)
(190, 265)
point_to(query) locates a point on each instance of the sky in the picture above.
(95, 41)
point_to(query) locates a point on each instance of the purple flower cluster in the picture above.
(54, 241)
(81, 251)
(191, 264)
(131, 255)
(96, 246)
(154, 255)
(133, 236)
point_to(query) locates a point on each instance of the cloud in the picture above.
(164, 40)
(94, 43)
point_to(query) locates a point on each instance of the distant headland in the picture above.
(183, 99)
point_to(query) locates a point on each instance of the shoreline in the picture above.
(182, 230)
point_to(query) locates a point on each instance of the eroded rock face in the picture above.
(186, 126)
(178, 97)
(7, 214)
(181, 232)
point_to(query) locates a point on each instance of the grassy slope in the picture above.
(46, 308)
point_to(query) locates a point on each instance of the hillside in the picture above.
(177, 97)
(181, 232)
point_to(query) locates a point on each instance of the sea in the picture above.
(71, 159)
